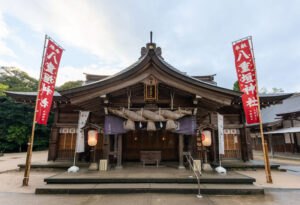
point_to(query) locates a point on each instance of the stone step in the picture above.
(97, 180)
(223, 189)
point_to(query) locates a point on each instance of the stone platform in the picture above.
(228, 164)
(134, 178)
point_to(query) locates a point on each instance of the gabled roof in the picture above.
(89, 78)
(31, 96)
(152, 55)
(290, 104)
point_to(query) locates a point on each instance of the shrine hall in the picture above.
(150, 112)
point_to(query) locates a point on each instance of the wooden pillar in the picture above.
(180, 151)
(190, 145)
(52, 153)
(106, 147)
(271, 146)
(115, 145)
(119, 156)
(247, 152)
(295, 145)
(215, 148)
(246, 144)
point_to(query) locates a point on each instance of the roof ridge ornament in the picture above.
(151, 47)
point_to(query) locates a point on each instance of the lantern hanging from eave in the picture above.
(206, 138)
(92, 137)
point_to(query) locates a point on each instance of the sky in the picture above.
(105, 36)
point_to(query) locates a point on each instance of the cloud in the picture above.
(4, 34)
(195, 36)
(76, 23)
(70, 73)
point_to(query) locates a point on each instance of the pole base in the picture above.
(181, 167)
(207, 167)
(93, 167)
(119, 167)
(199, 196)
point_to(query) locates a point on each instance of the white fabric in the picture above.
(73, 169)
(83, 116)
(221, 170)
(221, 133)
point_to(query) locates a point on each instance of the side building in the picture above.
(281, 123)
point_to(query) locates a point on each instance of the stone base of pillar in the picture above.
(93, 167)
(119, 167)
(207, 167)
(181, 167)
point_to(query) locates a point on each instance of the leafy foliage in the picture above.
(2, 89)
(236, 86)
(17, 80)
(17, 134)
(15, 118)
(69, 84)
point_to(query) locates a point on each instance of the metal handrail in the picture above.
(190, 159)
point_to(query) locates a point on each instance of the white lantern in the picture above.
(92, 137)
(206, 138)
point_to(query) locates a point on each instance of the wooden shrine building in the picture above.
(154, 101)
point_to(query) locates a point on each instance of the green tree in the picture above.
(69, 85)
(2, 89)
(18, 134)
(17, 80)
(236, 86)
(16, 118)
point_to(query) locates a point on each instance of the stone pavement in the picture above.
(271, 197)
(11, 191)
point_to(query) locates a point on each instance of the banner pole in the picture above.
(264, 144)
(30, 140)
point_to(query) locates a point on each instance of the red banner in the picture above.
(246, 75)
(47, 82)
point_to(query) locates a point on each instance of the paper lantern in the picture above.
(92, 137)
(206, 138)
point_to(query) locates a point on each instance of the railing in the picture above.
(196, 172)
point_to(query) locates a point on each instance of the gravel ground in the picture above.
(280, 179)
(10, 161)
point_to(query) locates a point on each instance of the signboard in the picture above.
(64, 130)
(72, 130)
(233, 131)
(83, 116)
(246, 73)
(49, 70)
(221, 133)
(226, 131)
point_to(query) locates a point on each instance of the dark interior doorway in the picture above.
(141, 140)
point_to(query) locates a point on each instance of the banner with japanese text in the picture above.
(83, 116)
(47, 82)
(221, 133)
(245, 69)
